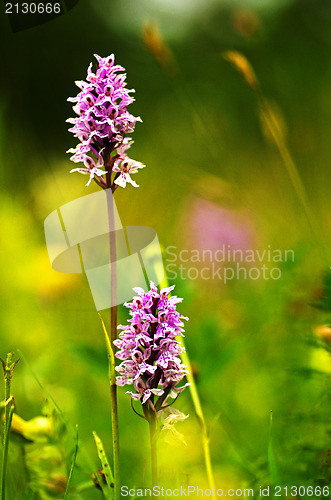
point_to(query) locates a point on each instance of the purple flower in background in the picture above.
(102, 125)
(148, 347)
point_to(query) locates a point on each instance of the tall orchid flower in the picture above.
(149, 349)
(102, 126)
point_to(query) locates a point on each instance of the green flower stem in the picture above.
(153, 440)
(114, 416)
(111, 346)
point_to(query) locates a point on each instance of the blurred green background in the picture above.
(213, 176)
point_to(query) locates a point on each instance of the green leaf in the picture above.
(274, 476)
(105, 465)
(72, 465)
(110, 354)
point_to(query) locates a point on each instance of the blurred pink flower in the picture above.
(212, 226)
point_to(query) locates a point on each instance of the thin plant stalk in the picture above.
(150, 414)
(244, 67)
(111, 348)
(273, 471)
(288, 160)
(198, 410)
(8, 369)
(73, 463)
(153, 441)
(7, 425)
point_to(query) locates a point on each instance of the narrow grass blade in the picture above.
(198, 409)
(48, 396)
(274, 476)
(72, 465)
(105, 465)
(110, 354)
(10, 405)
(243, 66)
